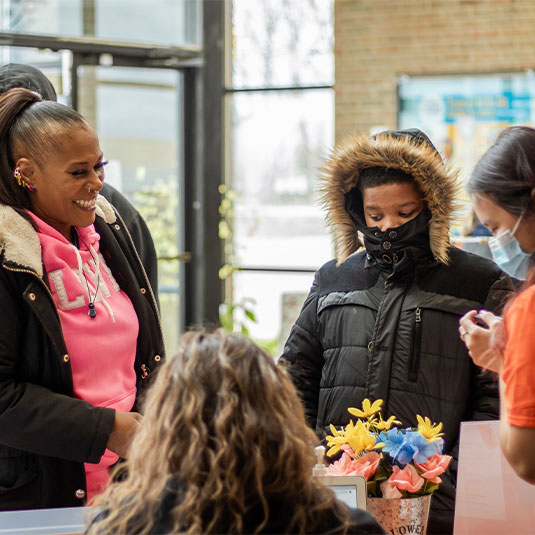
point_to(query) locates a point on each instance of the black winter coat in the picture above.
(280, 515)
(45, 433)
(383, 323)
(361, 523)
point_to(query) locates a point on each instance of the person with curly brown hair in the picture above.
(223, 448)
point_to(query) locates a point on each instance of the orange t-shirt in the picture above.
(519, 361)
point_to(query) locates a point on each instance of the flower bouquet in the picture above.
(396, 462)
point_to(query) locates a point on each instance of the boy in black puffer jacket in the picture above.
(381, 320)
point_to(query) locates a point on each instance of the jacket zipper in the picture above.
(414, 360)
(371, 344)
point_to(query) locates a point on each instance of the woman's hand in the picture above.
(485, 345)
(124, 428)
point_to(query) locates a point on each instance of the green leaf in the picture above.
(371, 488)
(250, 314)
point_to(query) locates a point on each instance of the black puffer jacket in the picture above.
(384, 325)
(45, 433)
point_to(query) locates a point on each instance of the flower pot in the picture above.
(401, 516)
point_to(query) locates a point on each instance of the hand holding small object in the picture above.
(484, 336)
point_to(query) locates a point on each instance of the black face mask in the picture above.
(402, 247)
(397, 249)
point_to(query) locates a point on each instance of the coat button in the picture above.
(387, 245)
(370, 346)
(392, 234)
(143, 291)
(66, 358)
(377, 234)
(157, 358)
(117, 227)
(80, 493)
(32, 296)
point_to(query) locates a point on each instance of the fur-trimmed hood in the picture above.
(409, 151)
(19, 242)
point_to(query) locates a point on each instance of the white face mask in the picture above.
(507, 253)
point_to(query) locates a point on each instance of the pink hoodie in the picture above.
(102, 349)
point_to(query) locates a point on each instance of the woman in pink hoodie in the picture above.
(79, 326)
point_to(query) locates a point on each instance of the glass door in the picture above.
(135, 112)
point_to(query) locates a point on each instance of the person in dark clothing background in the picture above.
(18, 75)
(380, 321)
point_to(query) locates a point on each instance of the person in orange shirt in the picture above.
(502, 187)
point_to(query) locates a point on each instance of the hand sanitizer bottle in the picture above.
(319, 468)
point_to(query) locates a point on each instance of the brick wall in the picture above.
(378, 40)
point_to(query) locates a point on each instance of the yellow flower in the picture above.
(368, 409)
(335, 441)
(357, 436)
(384, 425)
(360, 439)
(428, 429)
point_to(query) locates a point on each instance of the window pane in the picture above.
(135, 112)
(278, 142)
(165, 22)
(51, 63)
(275, 299)
(282, 42)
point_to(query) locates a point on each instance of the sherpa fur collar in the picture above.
(19, 243)
(340, 174)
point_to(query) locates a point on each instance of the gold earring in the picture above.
(18, 177)
(22, 183)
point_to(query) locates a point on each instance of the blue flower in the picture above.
(395, 445)
(406, 446)
(418, 448)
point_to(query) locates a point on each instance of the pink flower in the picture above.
(406, 479)
(364, 465)
(342, 467)
(389, 490)
(434, 467)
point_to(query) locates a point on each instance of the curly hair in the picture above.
(225, 422)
